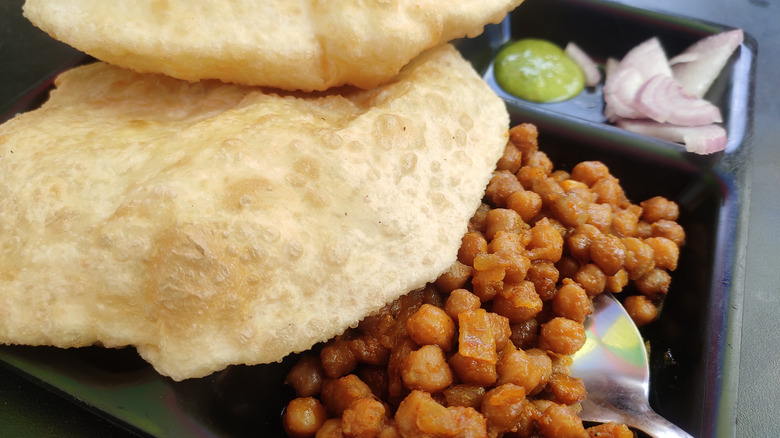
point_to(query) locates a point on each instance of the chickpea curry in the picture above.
(484, 350)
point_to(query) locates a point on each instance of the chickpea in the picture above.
(591, 278)
(567, 266)
(464, 395)
(477, 222)
(570, 209)
(419, 415)
(657, 208)
(544, 276)
(571, 302)
(610, 430)
(547, 188)
(454, 278)
(363, 418)
(487, 283)
(337, 358)
(330, 429)
(609, 253)
(616, 283)
(539, 160)
(608, 191)
(431, 325)
(503, 219)
(639, 257)
(528, 177)
(546, 242)
(501, 329)
(579, 241)
(306, 376)
(473, 371)
(561, 421)
(562, 336)
(589, 172)
(472, 243)
(566, 390)
(511, 160)
(503, 406)
(600, 216)
(395, 385)
(516, 267)
(426, 369)
(526, 203)
(524, 137)
(506, 243)
(518, 302)
(369, 350)
(643, 230)
(377, 379)
(530, 370)
(501, 185)
(303, 417)
(668, 229)
(524, 334)
(641, 309)
(665, 252)
(625, 222)
(338, 394)
(654, 282)
(461, 300)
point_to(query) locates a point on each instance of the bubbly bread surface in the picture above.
(289, 44)
(211, 224)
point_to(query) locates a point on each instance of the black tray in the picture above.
(693, 373)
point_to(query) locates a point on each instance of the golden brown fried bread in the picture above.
(211, 224)
(288, 44)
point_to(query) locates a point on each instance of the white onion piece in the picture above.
(620, 90)
(639, 65)
(586, 63)
(699, 65)
(610, 67)
(664, 100)
(649, 58)
(703, 140)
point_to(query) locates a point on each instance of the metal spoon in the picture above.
(614, 367)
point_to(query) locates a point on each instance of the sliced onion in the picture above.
(649, 58)
(662, 99)
(706, 139)
(610, 68)
(699, 65)
(586, 63)
(620, 90)
(639, 65)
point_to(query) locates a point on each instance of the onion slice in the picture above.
(703, 140)
(586, 63)
(662, 99)
(697, 67)
(641, 63)
(620, 90)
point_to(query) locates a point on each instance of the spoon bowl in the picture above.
(614, 367)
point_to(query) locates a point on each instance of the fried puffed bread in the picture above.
(209, 224)
(290, 44)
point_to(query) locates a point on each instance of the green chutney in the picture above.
(538, 70)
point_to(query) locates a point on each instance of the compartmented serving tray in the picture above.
(691, 362)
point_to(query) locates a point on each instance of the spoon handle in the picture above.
(657, 426)
(637, 414)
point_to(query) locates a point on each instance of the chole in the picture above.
(288, 44)
(211, 224)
